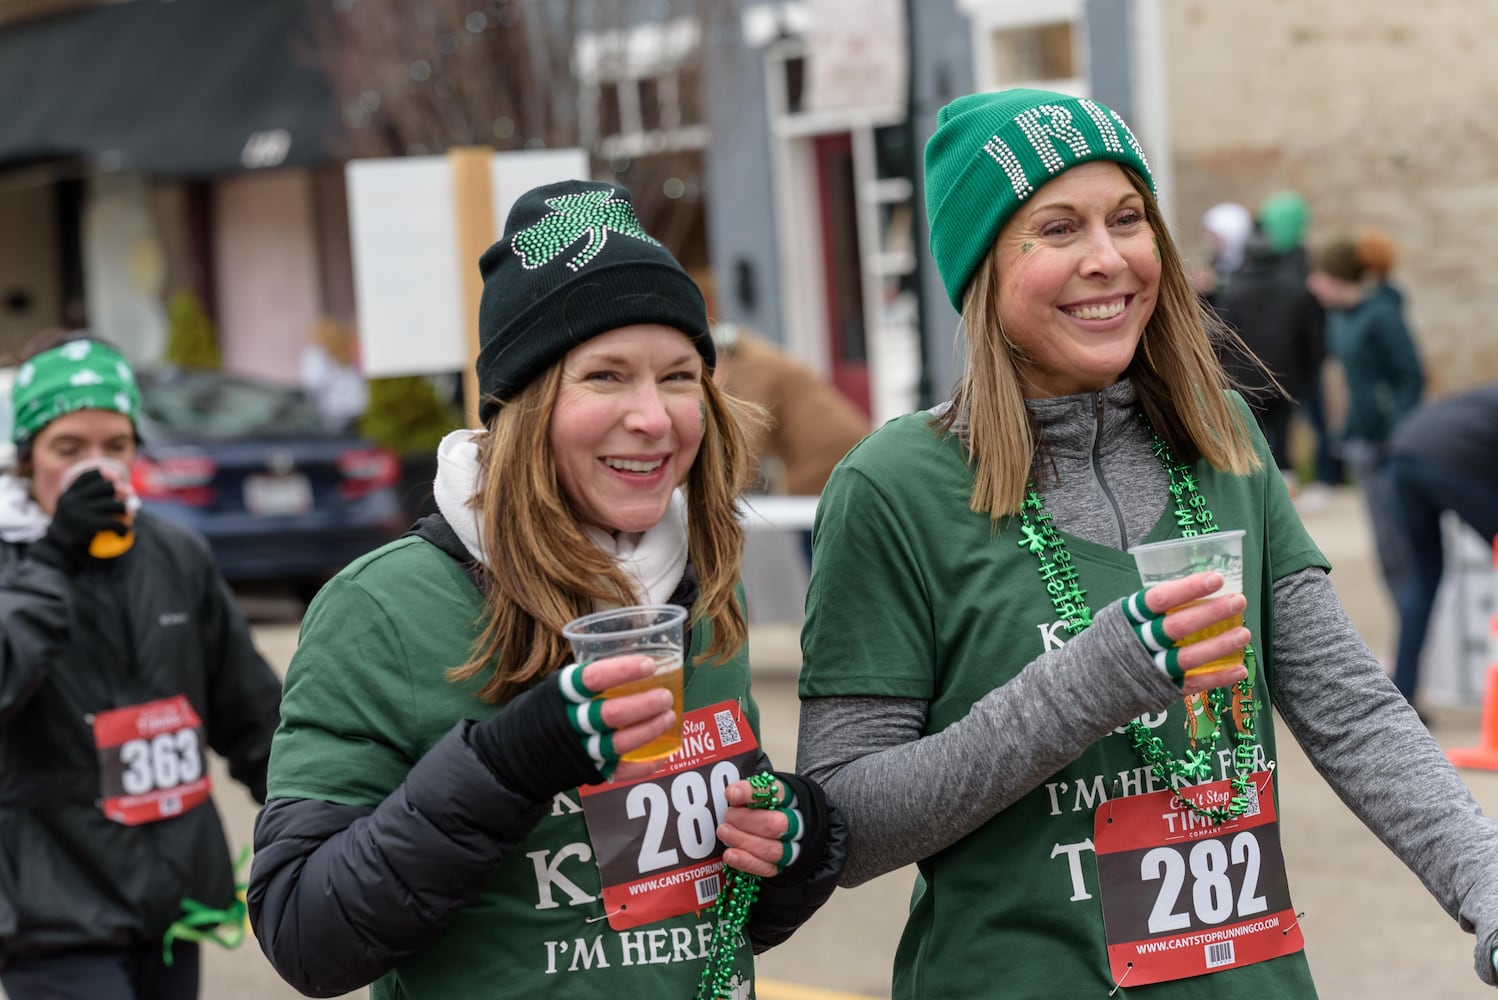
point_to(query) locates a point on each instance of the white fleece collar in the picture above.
(455, 485)
(655, 559)
(21, 520)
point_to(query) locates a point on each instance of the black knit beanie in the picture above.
(574, 263)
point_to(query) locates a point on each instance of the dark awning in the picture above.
(181, 87)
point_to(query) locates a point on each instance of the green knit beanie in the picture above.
(991, 152)
(1283, 217)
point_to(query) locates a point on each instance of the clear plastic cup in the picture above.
(1218, 551)
(108, 544)
(650, 630)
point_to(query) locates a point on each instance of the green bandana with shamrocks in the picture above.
(79, 375)
(593, 214)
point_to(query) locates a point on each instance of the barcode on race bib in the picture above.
(728, 729)
(707, 889)
(1220, 954)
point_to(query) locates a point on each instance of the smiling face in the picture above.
(70, 439)
(627, 423)
(1078, 275)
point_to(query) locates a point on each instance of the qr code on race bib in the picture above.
(728, 729)
(1253, 800)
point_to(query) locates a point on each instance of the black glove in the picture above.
(85, 508)
(548, 739)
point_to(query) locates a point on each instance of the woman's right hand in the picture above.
(635, 719)
(559, 735)
(1172, 609)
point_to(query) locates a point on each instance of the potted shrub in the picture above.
(406, 415)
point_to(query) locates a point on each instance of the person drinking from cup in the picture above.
(440, 823)
(123, 658)
(988, 693)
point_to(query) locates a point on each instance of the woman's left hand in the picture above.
(756, 837)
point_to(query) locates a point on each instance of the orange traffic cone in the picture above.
(1485, 755)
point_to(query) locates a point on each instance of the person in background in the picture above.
(1084, 770)
(437, 823)
(1227, 227)
(1442, 457)
(330, 375)
(1281, 323)
(1366, 333)
(1283, 218)
(809, 426)
(123, 659)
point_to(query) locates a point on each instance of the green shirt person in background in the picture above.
(988, 694)
(437, 822)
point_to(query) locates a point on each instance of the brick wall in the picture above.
(1381, 113)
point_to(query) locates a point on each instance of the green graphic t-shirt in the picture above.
(365, 698)
(946, 610)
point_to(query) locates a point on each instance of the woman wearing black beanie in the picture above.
(438, 824)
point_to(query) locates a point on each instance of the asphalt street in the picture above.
(1372, 931)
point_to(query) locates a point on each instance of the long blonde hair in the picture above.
(1176, 374)
(543, 570)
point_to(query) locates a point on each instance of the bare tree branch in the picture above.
(420, 76)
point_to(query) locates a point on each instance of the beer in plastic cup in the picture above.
(655, 631)
(108, 544)
(1218, 551)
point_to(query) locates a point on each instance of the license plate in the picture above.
(271, 495)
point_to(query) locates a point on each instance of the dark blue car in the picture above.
(249, 466)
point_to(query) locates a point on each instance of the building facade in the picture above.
(1379, 113)
(802, 129)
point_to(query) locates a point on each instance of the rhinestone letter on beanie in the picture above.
(79, 375)
(991, 152)
(574, 263)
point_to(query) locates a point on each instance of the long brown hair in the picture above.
(543, 570)
(1179, 381)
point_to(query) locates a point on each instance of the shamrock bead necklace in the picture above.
(1059, 575)
(731, 909)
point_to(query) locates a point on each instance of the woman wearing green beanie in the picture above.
(1084, 771)
(123, 658)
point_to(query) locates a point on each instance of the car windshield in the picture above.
(219, 407)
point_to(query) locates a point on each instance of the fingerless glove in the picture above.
(548, 739)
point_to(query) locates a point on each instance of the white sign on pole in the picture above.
(513, 174)
(407, 276)
(857, 55)
(404, 239)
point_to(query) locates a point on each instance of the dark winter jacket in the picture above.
(1458, 432)
(343, 892)
(1266, 302)
(1380, 362)
(154, 623)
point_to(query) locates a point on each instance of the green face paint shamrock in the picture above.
(592, 214)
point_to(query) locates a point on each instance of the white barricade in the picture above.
(1454, 668)
(775, 570)
(765, 511)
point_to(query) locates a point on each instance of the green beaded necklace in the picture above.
(1059, 575)
(730, 910)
